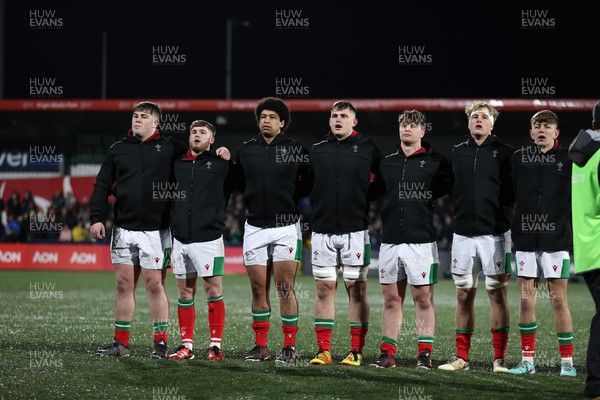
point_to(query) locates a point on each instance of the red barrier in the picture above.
(297, 104)
(81, 257)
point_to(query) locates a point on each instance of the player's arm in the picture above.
(236, 176)
(508, 189)
(514, 171)
(224, 153)
(377, 185)
(443, 181)
(305, 178)
(231, 184)
(98, 202)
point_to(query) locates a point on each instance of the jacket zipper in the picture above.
(190, 201)
(266, 222)
(473, 214)
(142, 181)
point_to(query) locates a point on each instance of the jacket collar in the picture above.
(189, 156)
(279, 138)
(156, 135)
(350, 138)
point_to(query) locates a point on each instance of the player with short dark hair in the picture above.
(415, 176)
(138, 171)
(345, 164)
(204, 183)
(542, 236)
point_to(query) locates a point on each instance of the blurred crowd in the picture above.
(67, 219)
(64, 219)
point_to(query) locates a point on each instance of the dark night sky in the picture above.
(476, 50)
(493, 50)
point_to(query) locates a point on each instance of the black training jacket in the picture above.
(139, 174)
(483, 192)
(273, 178)
(413, 184)
(542, 185)
(203, 187)
(342, 191)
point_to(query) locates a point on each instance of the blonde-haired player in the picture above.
(482, 197)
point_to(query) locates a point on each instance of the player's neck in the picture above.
(479, 139)
(269, 139)
(546, 148)
(410, 148)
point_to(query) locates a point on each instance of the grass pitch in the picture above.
(52, 323)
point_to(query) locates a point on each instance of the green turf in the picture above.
(52, 322)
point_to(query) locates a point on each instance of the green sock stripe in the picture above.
(502, 329)
(464, 330)
(122, 325)
(261, 315)
(426, 339)
(324, 323)
(359, 324)
(289, 320)
(218, 266)
(433, 273)
(387, 339)
(565, 271)
(565, 337)
(161, 326)
(185, 303)
(214, 299)
(528, 328)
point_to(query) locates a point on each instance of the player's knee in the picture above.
(324, 273)
(186, 293)
(466, 281)
(355, 273)
(559, 303)
(212, 292)
(496, 281)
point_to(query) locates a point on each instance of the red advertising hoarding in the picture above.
(81, 257)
